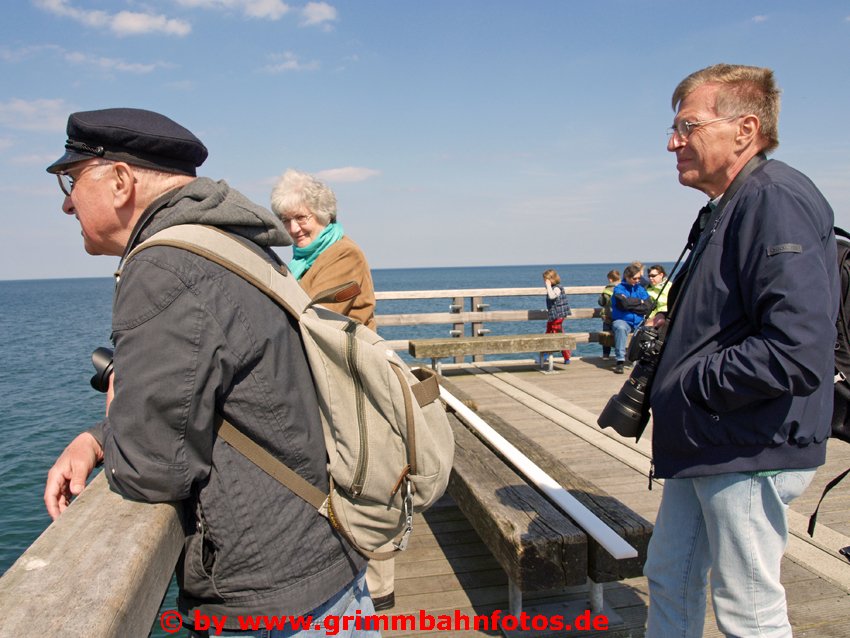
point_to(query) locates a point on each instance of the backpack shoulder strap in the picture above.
(275, 468)
(842, 358)
(813, 519)
(219, 247)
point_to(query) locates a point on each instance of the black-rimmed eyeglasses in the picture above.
(68, 181)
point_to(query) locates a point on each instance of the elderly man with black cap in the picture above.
(193, 341)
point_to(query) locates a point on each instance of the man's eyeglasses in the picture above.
(68, 181)
(298, 219)
(653, 275)
(684, 128)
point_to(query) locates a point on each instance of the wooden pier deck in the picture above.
(448, 569)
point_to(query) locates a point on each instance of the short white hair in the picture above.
(295, 191)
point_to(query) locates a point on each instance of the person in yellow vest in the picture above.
(657, 289)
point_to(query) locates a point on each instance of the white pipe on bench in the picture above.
(587, 520)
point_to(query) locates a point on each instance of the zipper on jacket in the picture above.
(363, 458)
(651, 473)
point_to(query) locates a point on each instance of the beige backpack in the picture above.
(390, 446)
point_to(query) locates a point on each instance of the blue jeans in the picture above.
(735, 525)
(328, 618)
(622, 330)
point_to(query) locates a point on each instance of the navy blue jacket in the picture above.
(745, 378)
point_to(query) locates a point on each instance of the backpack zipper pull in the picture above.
(651, 473)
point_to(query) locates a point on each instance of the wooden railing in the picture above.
(100, 570)
(468, 310)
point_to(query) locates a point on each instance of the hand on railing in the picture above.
(67, 478)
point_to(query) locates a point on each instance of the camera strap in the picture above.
(704, 229)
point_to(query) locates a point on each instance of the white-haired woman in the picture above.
(323, 255)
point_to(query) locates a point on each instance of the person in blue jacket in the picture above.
(630, 303)
(742, 396)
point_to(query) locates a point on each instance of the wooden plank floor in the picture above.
(448, 571)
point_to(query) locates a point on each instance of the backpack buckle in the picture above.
(407, 505)
(839, 377)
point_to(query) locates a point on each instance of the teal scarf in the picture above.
(303, 258)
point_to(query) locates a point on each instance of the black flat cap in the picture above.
(135, 136)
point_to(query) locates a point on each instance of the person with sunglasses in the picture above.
(658, 289)
(630, 304)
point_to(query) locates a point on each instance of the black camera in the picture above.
(628, 410)
(101, 359)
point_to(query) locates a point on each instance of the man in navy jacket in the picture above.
(742, 398)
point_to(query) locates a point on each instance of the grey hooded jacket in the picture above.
(192, 339)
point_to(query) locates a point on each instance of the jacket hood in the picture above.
(203, 201)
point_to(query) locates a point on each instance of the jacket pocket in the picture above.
(759, 425)
(686, 424)
(199, 564)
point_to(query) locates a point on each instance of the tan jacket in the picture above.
(341, 262)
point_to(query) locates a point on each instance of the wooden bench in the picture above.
(603, 338)
(488, 492)
(435, 349)
(536, 544)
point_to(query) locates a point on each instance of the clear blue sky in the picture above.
(454, 132)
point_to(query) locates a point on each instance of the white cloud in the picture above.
(122, 23)
(34, 115)
(318, 14)
(207, 4)
(63, 9)
(113, 64)
(288, 61)
(5, 143)
(22, 53)
(75, 57)
(348, 174)
(271, 9)
(131, 23)
(760, 18)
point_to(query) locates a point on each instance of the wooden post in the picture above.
(457, 302)
(477, 326)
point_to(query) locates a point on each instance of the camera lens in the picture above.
(627, 411)
(101, 359)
